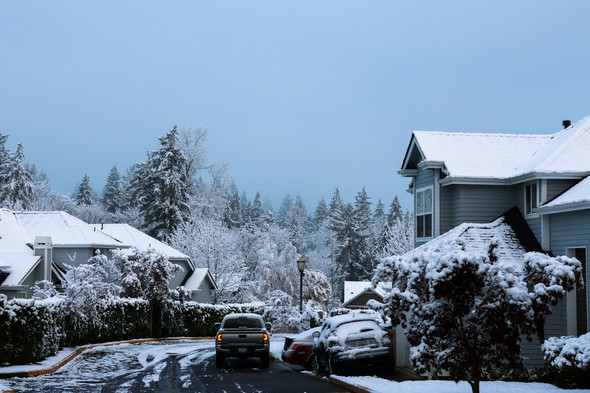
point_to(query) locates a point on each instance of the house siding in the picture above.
(203, 294)
(178, 278)
(474, 203)
(447, 209)
(555, 187)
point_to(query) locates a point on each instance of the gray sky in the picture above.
(298, 96)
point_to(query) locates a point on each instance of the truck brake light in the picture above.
(219, 337)
(264, 337)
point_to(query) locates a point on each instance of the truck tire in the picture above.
(219, 360)
(265, 360)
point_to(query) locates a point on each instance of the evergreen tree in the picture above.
(233, 213)
(335, 207)
(321, 214)
(164, 198)
(112, 194)
(84, 195)
(257, 212)
(246, 208)
(284, 216)
(16, 184)
(363, 225)
(395, 211)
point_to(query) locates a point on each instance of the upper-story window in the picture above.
(531, 197)
(424, 212)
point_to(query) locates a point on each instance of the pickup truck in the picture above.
(242, 336)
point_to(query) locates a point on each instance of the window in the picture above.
(424, 213)
(531, 198)
(21, 295)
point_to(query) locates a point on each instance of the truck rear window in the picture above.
(242, 323)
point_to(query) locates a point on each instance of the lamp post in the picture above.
(301, 266)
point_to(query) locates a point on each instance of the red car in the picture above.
(299, 349)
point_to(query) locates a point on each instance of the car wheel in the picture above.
(331, 367)
(219, 360)
(316, 365)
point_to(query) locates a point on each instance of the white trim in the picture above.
(492, 181)
(546, 233)
(543, 191)
(419, 190)
(436, 207)
(533, 209)
(570, 207)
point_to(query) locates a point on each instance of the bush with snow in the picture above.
(568, 351)
(465, 313)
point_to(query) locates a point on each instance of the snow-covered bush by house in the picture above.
(465, 313)
(568, 351)
(282, 312)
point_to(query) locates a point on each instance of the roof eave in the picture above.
(568, 207)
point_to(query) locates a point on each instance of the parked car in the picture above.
(242, 336)
(298, 349)
(349, 340)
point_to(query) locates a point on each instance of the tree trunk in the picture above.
(474, 385)
(156, 319)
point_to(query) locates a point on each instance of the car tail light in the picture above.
(332, 342)
(219, 337)
(386, 335)
(264, 337)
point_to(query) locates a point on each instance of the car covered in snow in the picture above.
(353, 339)
(242, 336)
(298, 349)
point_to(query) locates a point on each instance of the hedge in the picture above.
(32, 330)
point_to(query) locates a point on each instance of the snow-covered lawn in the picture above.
(379, 385)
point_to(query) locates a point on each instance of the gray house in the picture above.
(539, 185)
(39, 245)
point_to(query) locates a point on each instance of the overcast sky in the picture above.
(298, 96)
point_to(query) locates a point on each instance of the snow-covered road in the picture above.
(180, 366)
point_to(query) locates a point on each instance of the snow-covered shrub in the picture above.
(568, 351)
(284, 315)
(43, 289)
(30, 330)
(464, 313)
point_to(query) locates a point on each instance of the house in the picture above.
(539, 185)
(358, 293)
(37, 246)
(198, 280)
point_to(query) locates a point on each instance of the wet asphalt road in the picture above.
(178, 369)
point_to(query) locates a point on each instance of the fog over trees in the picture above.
(179, 197)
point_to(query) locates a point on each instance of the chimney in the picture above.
(566, 123)
(43, 246)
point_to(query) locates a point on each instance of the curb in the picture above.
(78, 351)
(352, 388)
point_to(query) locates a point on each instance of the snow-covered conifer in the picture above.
(84, 194)
(112, 199)
(16, 184)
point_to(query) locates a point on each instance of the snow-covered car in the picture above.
(298, 349)
(354, 339)
(242, 336)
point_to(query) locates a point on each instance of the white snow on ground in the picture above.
(277, 342)
(3, 387)
(379, 385)
(44, 364)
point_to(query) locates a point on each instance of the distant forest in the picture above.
(180, 198)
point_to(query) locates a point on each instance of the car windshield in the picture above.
(242, 323)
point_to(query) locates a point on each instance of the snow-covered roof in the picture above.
(196, 279)
(505, 156)
(354, 288)
(132, 237)
(15, 256)
(476, 238)
(578, 194)
(65, 230)
(565, 152)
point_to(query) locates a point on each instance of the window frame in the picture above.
(427, 226)
(531, 199)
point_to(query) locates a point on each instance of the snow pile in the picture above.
(379, 385)
(568, 351)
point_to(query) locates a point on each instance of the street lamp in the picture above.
(301, 266)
